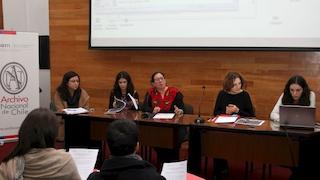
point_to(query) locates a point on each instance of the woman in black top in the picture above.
(233, 99)
(122, 87)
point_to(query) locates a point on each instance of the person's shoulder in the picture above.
(173, 89)
(245, 92)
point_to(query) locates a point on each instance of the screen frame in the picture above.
(195, 48)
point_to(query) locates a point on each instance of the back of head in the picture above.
(122, 137)
(38, 130)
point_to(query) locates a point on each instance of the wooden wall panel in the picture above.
(265, 71)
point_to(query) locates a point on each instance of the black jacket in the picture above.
(123, 168)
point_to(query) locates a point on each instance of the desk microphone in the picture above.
(199, 119)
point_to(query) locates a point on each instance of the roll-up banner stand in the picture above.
(19, 80)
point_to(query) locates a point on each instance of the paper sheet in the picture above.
(85, 160)
(226, 119)
(163, 116)
(175, 170)
(133, 101)
(75, 110)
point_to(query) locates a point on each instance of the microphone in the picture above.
(199, 119)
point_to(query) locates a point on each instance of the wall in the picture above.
(266, 72)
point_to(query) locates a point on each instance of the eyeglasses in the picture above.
(159, 79)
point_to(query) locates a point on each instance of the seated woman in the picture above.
(161, 98)
(296, 92)
(35, 157)
(233, 99)
(69, 94)
(122, 87)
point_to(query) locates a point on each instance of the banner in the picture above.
(19, 79)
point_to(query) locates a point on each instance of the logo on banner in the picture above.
(14, 78)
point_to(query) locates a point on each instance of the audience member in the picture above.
(35, 157)
(124, 163)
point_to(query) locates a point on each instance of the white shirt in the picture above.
(275, 112)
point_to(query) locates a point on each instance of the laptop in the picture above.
(301, 117)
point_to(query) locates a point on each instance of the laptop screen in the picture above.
(297, 116)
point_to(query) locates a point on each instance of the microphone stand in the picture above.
(199, 119)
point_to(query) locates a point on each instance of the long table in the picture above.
(265, 144)
(84, 130)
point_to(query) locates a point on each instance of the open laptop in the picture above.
(292, 116)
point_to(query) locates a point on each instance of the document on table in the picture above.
(226, 119)
(250, 122)
(133, 101)
(85, 160)
(175, 170)
(163, 116)
(75, 110)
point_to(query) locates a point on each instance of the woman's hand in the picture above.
(177, 110)
(156, 109)
(231, 109)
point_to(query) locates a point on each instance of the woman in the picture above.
(69, 94)
(34, 157)
(296, 92)
(233, 99)
(161, 98)
(122, 87)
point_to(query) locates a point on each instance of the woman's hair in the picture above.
(154, 74)
(305, 96)
(64, 92)
(229, 79)
(38, 130)
(116, 87)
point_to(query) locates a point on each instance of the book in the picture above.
(250, 122)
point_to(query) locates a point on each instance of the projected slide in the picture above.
(205, 23)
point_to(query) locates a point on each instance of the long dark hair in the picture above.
(116, 87)
(38, 130)
(305, 96)
(64, 92)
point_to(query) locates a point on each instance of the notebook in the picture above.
(292, 116)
